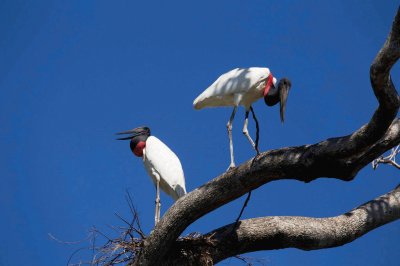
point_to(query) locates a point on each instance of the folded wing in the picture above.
(161, 162)
(238, 80)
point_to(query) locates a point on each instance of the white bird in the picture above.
(162, 164)
(243, 86)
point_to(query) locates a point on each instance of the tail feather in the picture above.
(179, 192)
(197, 103)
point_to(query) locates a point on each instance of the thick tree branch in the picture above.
(281, 232)
(338, 158)
(386, 95)
(305, 233)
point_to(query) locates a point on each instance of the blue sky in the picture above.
(72, 73)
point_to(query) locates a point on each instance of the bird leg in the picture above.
(246, 132)
(255, 146)
(158, 203)
(257, 129)
(229, 127)
(243, 207)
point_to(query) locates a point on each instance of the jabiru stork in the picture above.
(160, 162)
(244, 86)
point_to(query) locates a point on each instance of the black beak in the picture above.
(134, 133)
(285, 85)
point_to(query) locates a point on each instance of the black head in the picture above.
(139, 131)
(284, 86)
(138, 139)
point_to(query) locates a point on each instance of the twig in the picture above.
(250, 261)
(390, 159)
(115, 250)
(70, 242)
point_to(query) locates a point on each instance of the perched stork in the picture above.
(162, 165)
(243, 86)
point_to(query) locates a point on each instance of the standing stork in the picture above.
(162, 165)
(244, 86)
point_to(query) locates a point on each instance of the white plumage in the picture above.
(244, 86)
(240, 86)
(164, 166)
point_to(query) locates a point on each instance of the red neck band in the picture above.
(138, 151)
(269, 84)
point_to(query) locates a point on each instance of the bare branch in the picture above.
(305, 233)
(116, 250)
(280, 232)
(385, 93)
(390, 159)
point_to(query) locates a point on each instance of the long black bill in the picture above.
(126, 132)
(134, 133)
(125, 138)
(283, 94)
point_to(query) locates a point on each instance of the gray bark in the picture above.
(268, 233)
(305, 233)
(340, 158)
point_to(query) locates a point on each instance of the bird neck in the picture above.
(139, 149)
(268, 84)
(138, 144)
(272, 97)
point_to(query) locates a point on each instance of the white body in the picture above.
(240, 86)
(162, 164)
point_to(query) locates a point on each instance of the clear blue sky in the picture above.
(72, 73)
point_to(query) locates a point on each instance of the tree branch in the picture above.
(279, 232)
(390, 159)
(386, 95)
(339, 158)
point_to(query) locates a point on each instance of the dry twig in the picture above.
(390, 159)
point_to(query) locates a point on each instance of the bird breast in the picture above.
(164, 166)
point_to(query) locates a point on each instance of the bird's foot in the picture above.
(230, 167)
(255, 158)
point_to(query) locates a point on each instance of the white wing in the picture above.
(236, 81)
(162, 163)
